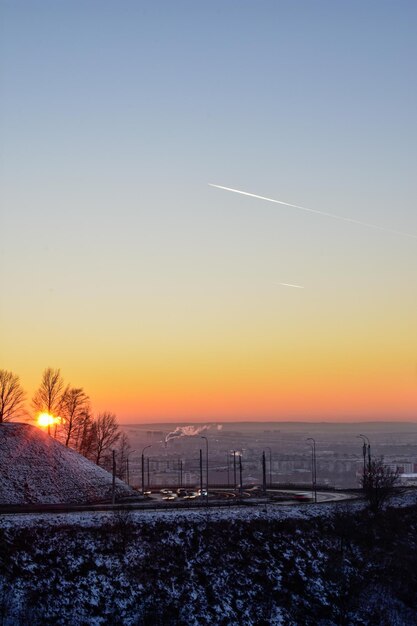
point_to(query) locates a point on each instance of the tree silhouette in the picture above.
(122, 457)
(12, 396)
(48, 397)
(75, 406)
(378, 483)
(106, 434)
(84, 443)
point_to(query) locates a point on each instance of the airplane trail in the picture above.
(303, 208)
(290, 285)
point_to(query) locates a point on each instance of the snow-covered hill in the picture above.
(327, 565)
(35, 468)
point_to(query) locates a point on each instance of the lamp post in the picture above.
(313, 466)
(180, 471)
(270, 465)
(240, 475)
(207, 465)
(128, 466)
(201, 471)
(113, 490)
(368, 444)
(147, 474)
(234, 469)
(143, 468)
(364, 456)
(263, 472)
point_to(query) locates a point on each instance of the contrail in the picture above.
(290, 285)
(303, 208)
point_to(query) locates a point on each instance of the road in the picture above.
(218, 498)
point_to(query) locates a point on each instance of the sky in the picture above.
(167, 299)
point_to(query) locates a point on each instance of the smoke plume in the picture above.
(190, 431)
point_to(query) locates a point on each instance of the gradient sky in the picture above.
(159, 294)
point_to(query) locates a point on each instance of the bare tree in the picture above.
(106, 434)
(84, 443)
(378, 484)
(122, 457)
(48, 397)
(12, 396)
(75, 406)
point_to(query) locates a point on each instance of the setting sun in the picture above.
(45, 419)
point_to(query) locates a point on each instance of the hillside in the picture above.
(35, 468)
(289, 566)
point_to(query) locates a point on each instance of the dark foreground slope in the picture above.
(338, 568)
(35, 468)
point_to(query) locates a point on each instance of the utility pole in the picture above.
(263, 472)
(201, 471)
(365, 448)
(113, 490)
(313, 467)
(147, 468)
(364, 456)
(364, 437)
(270, 466)
(207, 466)
(234, 469)
(143, 468)
(240, 474)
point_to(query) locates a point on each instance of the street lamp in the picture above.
(240, 475)
(313, 466)
(113, 490)
(234, 469)
(207, 479)
(270, 466)
(368, 443)
(127, 466)
(364, 455)
(180, 472)
(143, 468)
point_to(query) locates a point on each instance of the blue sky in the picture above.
(114, 116)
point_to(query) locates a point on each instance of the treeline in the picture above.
(68, 418)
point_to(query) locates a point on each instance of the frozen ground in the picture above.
(35, 468)
(296, 565)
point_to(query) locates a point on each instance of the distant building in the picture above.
(164, 464)
(190, 479)
(155, 436)
(409, 480)
(403, 467)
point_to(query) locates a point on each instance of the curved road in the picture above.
(224, 498)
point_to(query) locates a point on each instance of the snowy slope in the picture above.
(35, 468)
(290, 566)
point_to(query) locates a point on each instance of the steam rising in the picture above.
(190, 431)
